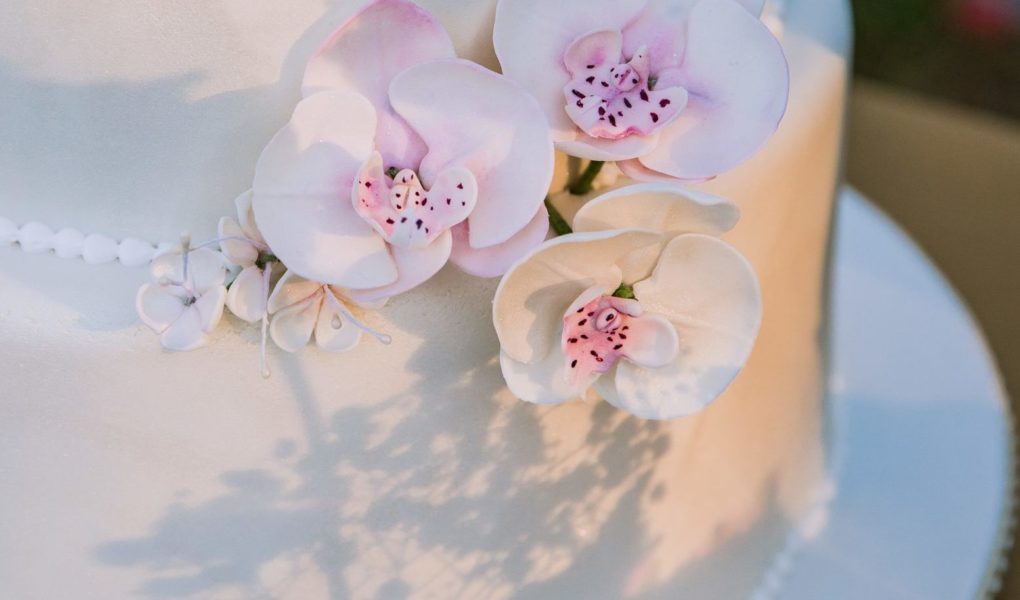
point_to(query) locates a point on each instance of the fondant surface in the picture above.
(393, 469)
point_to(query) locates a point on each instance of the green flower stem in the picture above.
(264, 259)
(625, 291)
(583, 184)
(556, 220)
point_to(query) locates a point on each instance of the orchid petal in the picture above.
(653, 341)
(496, 260)
(661, 28)
(233, 246)
(532, 297)
(625, 148)
(366, 53)
(531, 37)
(292, 327)
(302, 190)
(755, 7)
(292, 289)
(414, 265)
(710, 293)
(246, 296)
(472, 117)
(594, 50)
(157, 307)
(541, 382)
(667, 208)
(335, 339)
(638, 172)
(738, 81)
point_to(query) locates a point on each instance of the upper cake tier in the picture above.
(145, 120)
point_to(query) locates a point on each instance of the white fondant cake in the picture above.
(392, 471)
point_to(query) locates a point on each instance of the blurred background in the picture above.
(934, 140)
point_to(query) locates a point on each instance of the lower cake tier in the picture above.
(399, 468)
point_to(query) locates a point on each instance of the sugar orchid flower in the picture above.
(401, 157)
(643, 303)
(682, 89)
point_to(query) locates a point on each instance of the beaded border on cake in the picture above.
(69, 243)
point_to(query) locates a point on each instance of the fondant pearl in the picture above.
(133, 252)
(35, 237)
(8, 232)
(99, 249)
(68, 243)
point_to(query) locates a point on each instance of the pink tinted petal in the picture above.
(292, 327)
(414, 265)
(158, 308)
(591, 148)
(660, 28)
(246, 296)
(531, 37)
(364, 55)
(494, 261)
(738, 81)
(477, 119)
(302, 191)
(589, 52)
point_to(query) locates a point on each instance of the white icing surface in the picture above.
(391, 469)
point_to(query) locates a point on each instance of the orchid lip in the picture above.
(596, 335)
(406, 214)
(613, 97)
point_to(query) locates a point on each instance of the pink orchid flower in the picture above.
(683, 89)
(401, 157)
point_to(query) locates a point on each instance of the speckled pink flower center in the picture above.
(596, 335)
(611, 97)
(404, 212)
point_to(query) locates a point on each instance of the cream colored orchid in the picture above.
(643, 303)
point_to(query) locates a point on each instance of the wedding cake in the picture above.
(407, 465)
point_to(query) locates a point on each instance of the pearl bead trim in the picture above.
(93, 248)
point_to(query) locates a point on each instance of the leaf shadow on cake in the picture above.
(448, 488)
